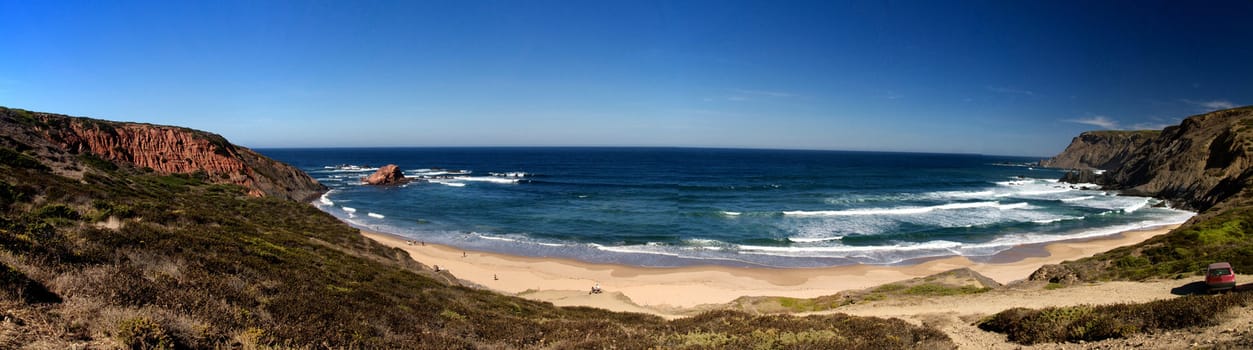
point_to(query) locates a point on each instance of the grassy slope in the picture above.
(200, 265)
(1217, 234)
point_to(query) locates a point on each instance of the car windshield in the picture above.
(1220, 272)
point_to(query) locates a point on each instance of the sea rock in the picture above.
(163, 149)
(386, 175)
(1083, 176)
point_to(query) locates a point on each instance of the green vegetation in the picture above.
(736, 330)
(1185, 251)
(955, 282)
(196, 265)
(1089, 323)
(940, 290)
(96, 162)
(141, 333)
(15, 159)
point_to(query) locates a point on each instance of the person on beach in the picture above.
(595, 289)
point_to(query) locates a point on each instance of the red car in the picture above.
(1220, 276)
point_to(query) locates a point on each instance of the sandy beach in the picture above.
(666, 291)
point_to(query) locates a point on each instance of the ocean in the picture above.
(737, 207)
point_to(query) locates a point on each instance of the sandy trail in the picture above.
(956, 315)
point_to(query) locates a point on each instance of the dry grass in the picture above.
(1089, 323)
(196, 265)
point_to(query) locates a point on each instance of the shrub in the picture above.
(142, 334)
(57, 211)
(96, 162)
(15, 159)
(1088, 323)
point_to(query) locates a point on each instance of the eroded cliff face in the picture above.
(1198, 164)
(1101, 150)
(1201, 162)
(164, 149)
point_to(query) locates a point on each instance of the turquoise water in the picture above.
(676, 206)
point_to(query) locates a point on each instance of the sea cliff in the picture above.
(64, 140)
(1201, 164)
(1101, 150)
(1198, 164)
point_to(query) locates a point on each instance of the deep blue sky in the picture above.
(993, 77)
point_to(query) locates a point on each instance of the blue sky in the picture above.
(992, 77)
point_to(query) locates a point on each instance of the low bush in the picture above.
(1090, 323)
(143, 334)
(15, 159)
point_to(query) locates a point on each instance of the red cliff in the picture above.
(164, 149)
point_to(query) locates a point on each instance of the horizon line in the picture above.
(643, 147)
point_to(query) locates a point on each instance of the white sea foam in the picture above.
(376, 216)
(907, 210)
(971, 194)
(931, 245)
(1076, 199)
(495, 238)
(1057, 219)
(492, 179)
(1132, 208)
(731, 213)
(325, 199)
(703, 241)
(813, 239)
(350, 209)
(435, 172)
(633, 249)
(350, 169)
(448, 183)
(885, 254)
(1042, 192)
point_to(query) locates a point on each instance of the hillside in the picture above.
(1202, 164)
(1101, 150)
(122, 235)
(62, 142)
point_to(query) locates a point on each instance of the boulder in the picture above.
(387, 175)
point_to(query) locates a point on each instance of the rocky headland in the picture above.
(64, 141)
(1197, 164)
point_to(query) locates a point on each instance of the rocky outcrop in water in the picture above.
(163, 149)
(386, 175)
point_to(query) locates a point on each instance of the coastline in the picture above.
(667, 291)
